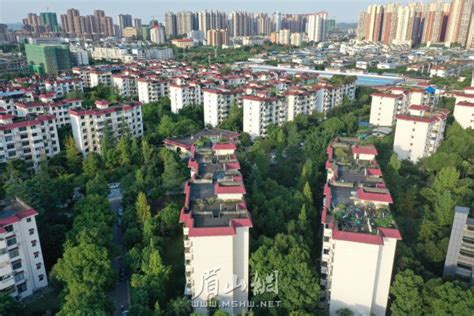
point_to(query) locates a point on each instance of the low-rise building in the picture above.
(419, 132)
(28, 138)
(459, 257)
(88, 124)
(22, 270)
(359, 232)
(183, 42)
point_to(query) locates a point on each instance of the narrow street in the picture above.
(120, 294)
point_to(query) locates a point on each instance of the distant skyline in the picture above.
(13, 11)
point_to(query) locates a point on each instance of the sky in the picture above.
(13, 11)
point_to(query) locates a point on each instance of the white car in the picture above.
(114, 185)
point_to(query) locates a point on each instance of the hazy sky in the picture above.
(342, 10)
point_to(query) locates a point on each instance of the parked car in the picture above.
(114, 185)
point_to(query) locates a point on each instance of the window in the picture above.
(41, 277)
(19, 276)
(13, 253)
(21, 288)
(9, 228)
(36, 254)
(38, 266)
(31, 231)
(16, 265)
(33, 243)
(11, 241)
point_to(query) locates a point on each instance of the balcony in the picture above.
(187, 243)
(188, 256)
(4, 256)
(189, 268)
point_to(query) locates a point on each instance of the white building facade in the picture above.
(22, 270)
(419, 132)
(88, 124)
(29, 138)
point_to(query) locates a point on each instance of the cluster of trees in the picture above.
(284, 179)
(425, 195)
(85, 268)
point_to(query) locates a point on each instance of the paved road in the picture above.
(120, 294)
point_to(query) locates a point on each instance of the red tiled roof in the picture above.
(374, 197)
(357, 237)
(419, 107)
(374, 172)
(365, 150)
(464, 103)
(38, 120)
(390, 233)
(386, 95)
(234, 189)
(18, 216)
(222, 146)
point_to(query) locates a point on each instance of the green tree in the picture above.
(92, 164)
(8, 306)
(406, 290)
(87, 272)
(98, 185)
(142, 207)
(298, 287)
(447, 298)
(73, 155)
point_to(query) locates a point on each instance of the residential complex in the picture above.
(459, 257)
(414, 23)
(359, 232)
(419, 132)
(22, 270)
(216, 221)
(391, 101)
(89, 125)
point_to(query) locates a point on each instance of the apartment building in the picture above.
(384, 108)
(125, 84)
(359, 233)
(9, 97)
(184, 94)
(419, 132)
(217, 103)
(152, 89)
(88, 124)
(460, 256)
(301, 102)
(59, 109)
(333, 95)
(216, 224)
(464, 108)
(62, 86)
(22, 270)
(260, 112)
(28, 138)
(100, 77)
